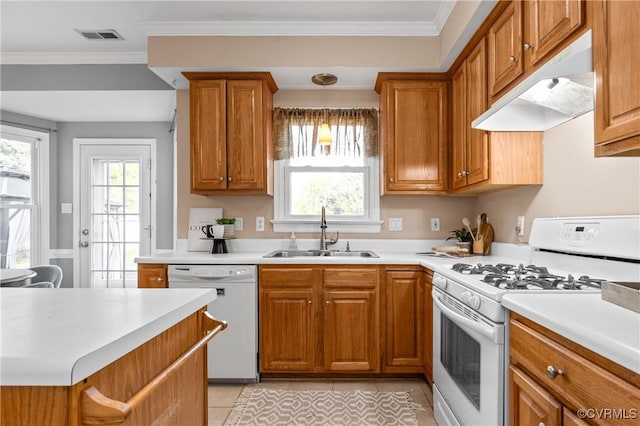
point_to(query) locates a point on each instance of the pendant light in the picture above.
(324, 133)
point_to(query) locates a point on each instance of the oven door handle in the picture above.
(485, 330)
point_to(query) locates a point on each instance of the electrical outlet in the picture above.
(520, 226)
(260, 223)
(395, 224)
(435, 224)
(239, 223)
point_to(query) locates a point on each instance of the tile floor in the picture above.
(223, 396)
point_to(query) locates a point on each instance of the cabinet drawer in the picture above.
(582, 384)
(286, 277)
(351, 277)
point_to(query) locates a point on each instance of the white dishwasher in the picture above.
(233, 354)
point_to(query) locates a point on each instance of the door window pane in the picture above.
(460, 356)
(116, 207)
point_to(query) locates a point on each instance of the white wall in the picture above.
(575, 183)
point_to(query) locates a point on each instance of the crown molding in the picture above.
(446, 7)
(300, 28)
(33, 58)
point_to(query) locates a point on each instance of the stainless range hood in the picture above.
(559, 91)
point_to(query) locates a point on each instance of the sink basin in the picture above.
(319, 253)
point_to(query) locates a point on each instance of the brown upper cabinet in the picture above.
(230, 128)
(616, 55)
(486, 161)
(414, 132)
(524, 34)
(469, 99)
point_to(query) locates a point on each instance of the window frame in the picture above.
(368, 223)
(39, 206)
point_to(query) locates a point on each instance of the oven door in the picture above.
(468, 365)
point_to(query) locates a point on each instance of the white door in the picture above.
(115, 205)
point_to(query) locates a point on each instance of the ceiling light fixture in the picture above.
(324, 80)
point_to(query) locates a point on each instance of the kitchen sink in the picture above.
(319, 253)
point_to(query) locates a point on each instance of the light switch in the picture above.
(435, 224)
(66, 208)
(239, 223)
(260, 223)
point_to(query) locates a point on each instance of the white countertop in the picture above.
(59, 337)
(603, 327)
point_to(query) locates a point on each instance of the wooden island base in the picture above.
(163, 381)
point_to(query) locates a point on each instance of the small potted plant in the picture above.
(229, 226)
(463, 236)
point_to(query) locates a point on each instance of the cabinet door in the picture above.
(404, 317)
(616, 56)
(208, 135)
(477, 146)
(350, 327)
(152, 276)
(287, 330)
(547, 24)
(460, 127)
(427, 282)
(570, 419)
(414, 136)
(530, 403)
(505, 47)
(245, 135)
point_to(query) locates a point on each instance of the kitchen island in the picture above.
(125, 356)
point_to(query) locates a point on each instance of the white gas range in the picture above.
(470, 327)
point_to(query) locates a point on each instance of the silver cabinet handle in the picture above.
(391, 180)
(552, 372)
(221, 178)
(327, 303)
(513, 59)
(84, 244)
(460, 174)
(229, 179)
(308, 302)
(159, 279)
(85, 232)
(528, 46)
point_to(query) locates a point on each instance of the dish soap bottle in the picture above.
(293, 246)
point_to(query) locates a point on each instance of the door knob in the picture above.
(513, 59)
(528, 46)
(85, 232)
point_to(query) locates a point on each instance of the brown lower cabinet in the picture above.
(404, 313)
(163, 381)
(319, 319)
(345, 319)
(152, 275)
(551, 379)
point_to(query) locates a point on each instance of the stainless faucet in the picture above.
(324, 241)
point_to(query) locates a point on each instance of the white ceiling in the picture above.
(43, 32)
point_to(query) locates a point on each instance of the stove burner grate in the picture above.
(519, 277)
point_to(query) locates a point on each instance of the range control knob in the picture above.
(470, 299)
(440, 282)
(474, 301)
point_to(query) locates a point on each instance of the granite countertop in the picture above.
(603, 327)
(58, 337)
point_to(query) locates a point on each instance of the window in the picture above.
(24, 216)
(342, 177)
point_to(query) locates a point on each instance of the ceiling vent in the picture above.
(100, 34)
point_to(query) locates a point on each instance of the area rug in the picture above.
(257, 406)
